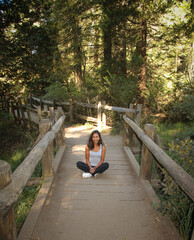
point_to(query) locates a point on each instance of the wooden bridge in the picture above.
(118, 204)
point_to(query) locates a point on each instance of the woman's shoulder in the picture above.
(103, 146)
(87, 148)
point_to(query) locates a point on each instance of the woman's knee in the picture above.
(79, 163)
(106, 165)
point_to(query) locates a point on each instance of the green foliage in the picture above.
(57, 91)
(118, 90)
(174, 132)
(88, 125)
(177, 205)
(24, 203)
(14, 140)
(181, 110)
(27, 45)
(14, 143)
(183, 155)
(176, 140)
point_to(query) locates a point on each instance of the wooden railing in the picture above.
(101, 108)
(101, 112)
(22, 106)
(11, 186)
(150, 151)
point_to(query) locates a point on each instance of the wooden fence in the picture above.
(45, 109)
(11, 185)
(150, 151)
(23, 107)
(101, 107)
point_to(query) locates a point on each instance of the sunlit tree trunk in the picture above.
(191, 63)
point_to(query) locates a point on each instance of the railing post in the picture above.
(103, 115)
(39, 113)
(52, 114)
(13, 112)
(60, 137)
(74, 110)
(47, 159)
(7, 219)
(18, 113)
(128, 132)
(45, 108)
(71, 110)
(138, 115)
(21, 111)
(31, 101)
(99, 116)
(136, 141)
(147, 158)
(54, 104)
(41, 104)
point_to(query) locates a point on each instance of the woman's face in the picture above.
(95, 138)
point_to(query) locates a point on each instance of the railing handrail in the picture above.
(21, 175)
(107, 107)
(119, 109)
(50, 102)
(91, 105)
(183, 179)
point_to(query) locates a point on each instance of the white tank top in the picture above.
(95, 157)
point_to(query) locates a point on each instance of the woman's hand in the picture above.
(92, 170)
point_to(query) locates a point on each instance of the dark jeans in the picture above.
(84, 167)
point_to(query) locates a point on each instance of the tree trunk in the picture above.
(107, 38)
(96, 48)
(107, 47)
(78, 54)
(120, 51)
(142, 84)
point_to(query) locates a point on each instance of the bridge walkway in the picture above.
(114, 206)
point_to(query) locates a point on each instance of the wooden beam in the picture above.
(87, 118)
(87, 105)
(119, 109)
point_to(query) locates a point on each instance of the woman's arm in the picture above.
(87, 154)
(102, 157)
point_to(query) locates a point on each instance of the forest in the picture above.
(120, 51)
(117, 51)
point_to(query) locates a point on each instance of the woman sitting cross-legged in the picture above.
(95, 154)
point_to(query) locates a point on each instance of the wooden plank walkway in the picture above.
(114, 206)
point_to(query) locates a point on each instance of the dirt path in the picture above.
(112, 207)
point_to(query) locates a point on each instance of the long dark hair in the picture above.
(90, 141)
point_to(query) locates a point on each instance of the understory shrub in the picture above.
(176, 204)
(181, 110)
